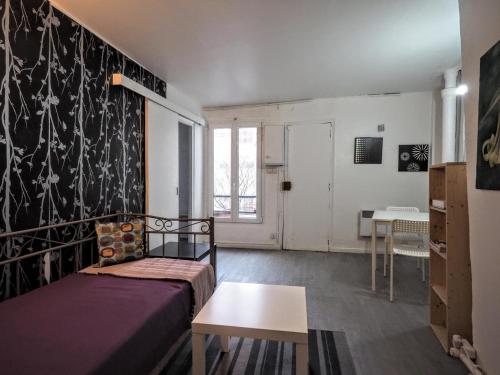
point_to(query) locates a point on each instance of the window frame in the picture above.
(235, 126)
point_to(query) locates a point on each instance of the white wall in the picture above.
(408, 119)
(480, 29)
(181, 99)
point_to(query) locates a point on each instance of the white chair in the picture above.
(404, 209)
(418, 249)
(407, 237)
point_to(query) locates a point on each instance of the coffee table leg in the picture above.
(198, 341)
(224, 343)
(302, 359)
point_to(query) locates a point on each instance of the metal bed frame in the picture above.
(47, 245)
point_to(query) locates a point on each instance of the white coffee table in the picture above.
(266, 312)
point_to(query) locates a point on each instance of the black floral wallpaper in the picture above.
(71, 144)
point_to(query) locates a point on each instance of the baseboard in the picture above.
(239, 245)
(271, 246)
(356, 250)
(249, 246)
(353, 250)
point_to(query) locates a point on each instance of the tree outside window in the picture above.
(245, 181)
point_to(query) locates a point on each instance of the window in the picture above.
(236, 173)
(222, 173)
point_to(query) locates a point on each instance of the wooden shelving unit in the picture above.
(450, 274)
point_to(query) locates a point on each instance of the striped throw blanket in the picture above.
(199, 275)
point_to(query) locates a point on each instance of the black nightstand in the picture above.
(181, 250)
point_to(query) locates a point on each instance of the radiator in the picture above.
(365, 224)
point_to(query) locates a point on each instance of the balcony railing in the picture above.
(222, 205)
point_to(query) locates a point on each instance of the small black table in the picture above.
(181, 250)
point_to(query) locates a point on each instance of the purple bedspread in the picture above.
(93, 325)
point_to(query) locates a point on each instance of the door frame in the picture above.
(331, 178)
(192, 124)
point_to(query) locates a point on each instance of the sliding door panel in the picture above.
(163, 164)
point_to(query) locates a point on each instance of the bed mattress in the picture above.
(85, 324)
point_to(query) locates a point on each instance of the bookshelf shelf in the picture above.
(437, 209)
(440, 290)
(442, 334)
(434, 248)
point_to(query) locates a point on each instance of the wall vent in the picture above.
(385, 94)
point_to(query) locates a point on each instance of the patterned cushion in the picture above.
(120, 242)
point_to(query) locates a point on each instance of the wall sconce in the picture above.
(461, 90)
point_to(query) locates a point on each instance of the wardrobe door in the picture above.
(162, 180)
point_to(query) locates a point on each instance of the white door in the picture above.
(163, 165)
(308, 205)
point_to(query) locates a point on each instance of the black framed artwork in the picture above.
(488, 137)
(413, 158)
(368, 150)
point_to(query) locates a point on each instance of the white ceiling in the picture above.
(223, 52)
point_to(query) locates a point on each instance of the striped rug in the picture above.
(328, 355)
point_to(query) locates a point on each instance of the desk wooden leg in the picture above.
(198, 341)
(302, 359)
(224, 343)
(374, 253)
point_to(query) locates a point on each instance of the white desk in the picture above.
(386, 218)
(267, 312)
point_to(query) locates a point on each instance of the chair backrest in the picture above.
(410, 226)
(406, 209)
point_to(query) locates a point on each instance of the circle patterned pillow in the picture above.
(120, 242)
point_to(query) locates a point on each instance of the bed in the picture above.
(94, 324)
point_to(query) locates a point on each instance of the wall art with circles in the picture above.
(413, 158)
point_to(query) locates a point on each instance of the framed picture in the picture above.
(368, 150)
(413, 158)
(488, 137)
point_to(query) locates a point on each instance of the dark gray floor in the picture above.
(384, 337)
